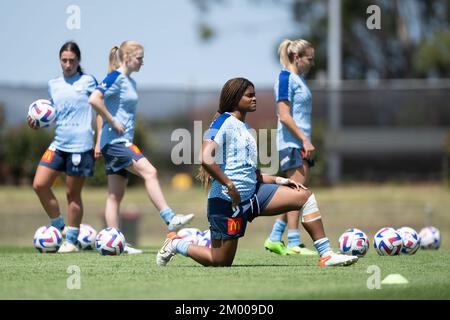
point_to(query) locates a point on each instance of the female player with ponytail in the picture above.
(115, 99)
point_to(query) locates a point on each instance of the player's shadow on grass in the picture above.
(248, 265)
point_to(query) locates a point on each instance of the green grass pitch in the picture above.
(256, 274)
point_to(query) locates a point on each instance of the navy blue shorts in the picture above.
(73, 164)
(226, 224)
(292, 158)
(119, 156)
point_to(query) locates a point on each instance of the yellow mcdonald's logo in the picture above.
(48, 156)
(234, 225)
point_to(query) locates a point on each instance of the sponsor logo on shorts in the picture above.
(234, 225)
(135, 149)
(48, 156)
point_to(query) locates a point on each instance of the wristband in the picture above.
(282, 181)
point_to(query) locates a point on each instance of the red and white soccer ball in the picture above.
(42, 112)
(204, 239)
(190, 234)
(86, 237)
(110, 242)
(47, 239)
(387, 242)
(411, 240)
(430, 238)
(354, 242)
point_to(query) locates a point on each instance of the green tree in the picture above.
(412, 42)
(23, 147)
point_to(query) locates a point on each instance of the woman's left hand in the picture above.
(289, 183)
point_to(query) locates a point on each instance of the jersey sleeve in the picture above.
(217, 130)
(49, 90)
(91, 84)
(110, 85)
(283, 90)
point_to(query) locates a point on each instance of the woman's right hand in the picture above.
(31, 123)
(117, 126)
(310, 150)
(235, 196)
(97, 151)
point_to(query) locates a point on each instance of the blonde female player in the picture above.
(115, 99)
(296, 152)
(238, 193)
(71, 151)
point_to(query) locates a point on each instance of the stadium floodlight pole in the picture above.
(334, 62)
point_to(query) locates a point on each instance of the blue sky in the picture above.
(31, 33)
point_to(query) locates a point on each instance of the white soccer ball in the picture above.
(47, 239)
(42, 112)
(86, 237)
(190, 234)
(430, 238)
(354, 242)
(204, 239)
(411, 240)
(387, 242)
(110, 242)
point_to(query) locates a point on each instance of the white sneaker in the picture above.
(64, 232)
(337, 259)
(67, 247)
(167, 251)
(179, 221)
(130, 250)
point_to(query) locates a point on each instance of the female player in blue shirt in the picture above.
(115, 99)
(296, 152)
(71, 151)
(239, 193)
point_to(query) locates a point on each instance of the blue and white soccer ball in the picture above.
(354, 242)
(42, 112)
(47, 239)
(190, 234)
(204, 239)
(411, 240)
(110, 242)
(387, 242)
(430, 238)
(86, 237)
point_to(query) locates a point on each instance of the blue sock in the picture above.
(293, 238)
(72, 234)
(277, 230)
(323, 246)
(167, 215)
(58, 222)
(182, 246)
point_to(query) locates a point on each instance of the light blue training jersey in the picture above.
(236, 155)
(73, 112)
(292, 87)
(121, 100)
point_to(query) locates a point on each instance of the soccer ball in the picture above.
(86, 237)
(42, 112)
(47, 239)
(411, 240)
(430, 238)
(354, 242)
(110, 242)
(190, 234)
(204, 239)
(387, 242)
